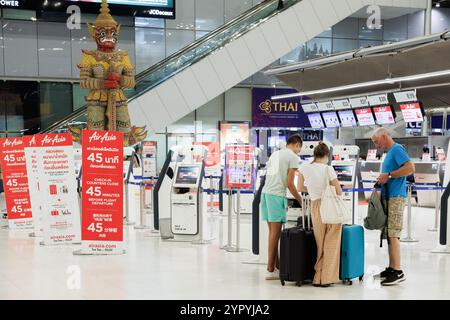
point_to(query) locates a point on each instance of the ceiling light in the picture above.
(365, 84)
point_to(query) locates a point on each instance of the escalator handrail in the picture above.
(163, 63)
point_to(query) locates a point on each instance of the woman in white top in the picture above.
(328, 236)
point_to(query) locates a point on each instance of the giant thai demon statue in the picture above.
(105, 72)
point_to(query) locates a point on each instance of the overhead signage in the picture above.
(379, 99)
(365, 117)
(347, 118)
(239, 166)
(359, 102)
(412, 112)
(102, 192)
(58, 186)
(16, 4)
(331, 119)
(15, 182)
(325, 106)
(341, 104)
(405, 96)
(316, 121)
(283, 113)
(310, 108)
(384, 115)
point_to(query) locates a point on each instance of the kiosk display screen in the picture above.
(347, 118)
(384, 115)
(412, 112)
(365, 117)
(187, 175)
(274, 142)
(331, 119)
(316, 120)
(344, 172)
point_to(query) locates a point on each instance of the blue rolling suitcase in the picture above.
(352, 253)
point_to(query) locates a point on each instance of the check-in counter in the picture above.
(427, 173)
(369, 170)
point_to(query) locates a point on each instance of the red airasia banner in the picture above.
(15, 182)
(239, 166)
(102, 192)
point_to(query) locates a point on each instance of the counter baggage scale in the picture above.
(427, 173)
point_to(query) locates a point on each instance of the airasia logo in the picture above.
(12, 143)
(102, 138)
(56, 139)
(32, 141)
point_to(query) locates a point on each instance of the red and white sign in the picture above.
(15, 182)
(149, 149)
(412, 112)
(384, 115)
(58, 189)
(37, 200)
(212, 168)
(372, 155)
(365, 117)
(239, 166)
(102, 197)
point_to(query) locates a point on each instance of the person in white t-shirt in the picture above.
(312, 177)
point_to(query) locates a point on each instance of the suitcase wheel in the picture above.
(347, 282)
(361, 278)
(299, 283)
(282, 283)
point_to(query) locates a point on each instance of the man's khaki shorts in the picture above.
(395, 217)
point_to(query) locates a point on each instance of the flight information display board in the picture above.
(365, 117)
(347, 118)
(315, 119)
(331, 119)
(384, 115)
(412, 112)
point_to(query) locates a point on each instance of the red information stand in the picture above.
(15, 182)
(102, 193)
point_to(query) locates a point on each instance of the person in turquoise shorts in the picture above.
(281, 169)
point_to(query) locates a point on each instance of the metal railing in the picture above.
(186, 57)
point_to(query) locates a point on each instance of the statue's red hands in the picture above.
(111, 84)
(114, 76)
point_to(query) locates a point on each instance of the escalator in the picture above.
(215, 63)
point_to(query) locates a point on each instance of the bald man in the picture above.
(396, 167)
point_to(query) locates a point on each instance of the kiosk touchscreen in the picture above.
(185, 201)
(346, 172)
(369, 170)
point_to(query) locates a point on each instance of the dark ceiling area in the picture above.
(442, 3)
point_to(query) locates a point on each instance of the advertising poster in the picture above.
(15, 182)
(58, 188)
(149, 149)
(31, 158)
(234, 132)
(212, 168)
(283, 113)
(239, 166)
(102, 197)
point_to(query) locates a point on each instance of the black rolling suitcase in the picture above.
(298, 250)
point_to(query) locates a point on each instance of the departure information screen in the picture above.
(331, 119)
(316, 120)
(365, 117)
(412, 112)
(384, 115)
(347, 118)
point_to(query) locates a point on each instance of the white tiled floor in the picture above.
(154, 269)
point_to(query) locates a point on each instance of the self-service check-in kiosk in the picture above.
(186, 202)
(345, 165)
(163, 189)
(427, 173)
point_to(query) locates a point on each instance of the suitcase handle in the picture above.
(306, 207)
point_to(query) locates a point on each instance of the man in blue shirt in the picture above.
(396, 167)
